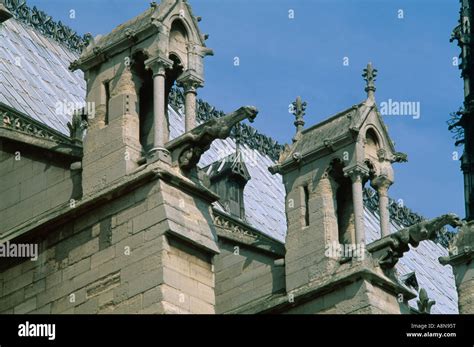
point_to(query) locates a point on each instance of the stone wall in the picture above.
(245, 274)
(461, 259)
(112, 145)
(358, 297)
(32, 182)
(305, 244)
(465, 284)
(115, 258)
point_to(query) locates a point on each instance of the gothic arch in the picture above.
(373, 142)
(179, 42)
(182, 20)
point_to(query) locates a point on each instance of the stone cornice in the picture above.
(65, 213)
(17, 126)
(44, 24)
(280, 303)
(239, 231)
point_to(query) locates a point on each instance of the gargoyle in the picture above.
(77, 125)
(187, 149)
(400, 157)
(393, 246)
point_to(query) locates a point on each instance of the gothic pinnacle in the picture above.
(370, 75)
(299, 108)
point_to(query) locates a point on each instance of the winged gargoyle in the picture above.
(392, 247)
(187, 149)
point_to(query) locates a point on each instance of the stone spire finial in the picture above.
(299, 108)
(370, 75)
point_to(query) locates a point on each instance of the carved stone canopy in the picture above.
(187, 149)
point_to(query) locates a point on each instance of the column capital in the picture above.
(190, 81)
(356, 172)
(158, 65)
(381, 184)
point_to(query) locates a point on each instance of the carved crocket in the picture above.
(187, 149)
(424, 303)
(399, 242)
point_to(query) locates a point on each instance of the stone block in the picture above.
(83, 251)
(102, 257)
(145, 282)
(35, 288)
(8, 301)
(18, 282)
(91, 306)
(77, 268)
(26, 307)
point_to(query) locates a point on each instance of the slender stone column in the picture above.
(160, 123)
(381, 184)
(357, 173)
(190, 81)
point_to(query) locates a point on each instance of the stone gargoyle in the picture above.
(77, 125)
(392, 247)
(187, 149)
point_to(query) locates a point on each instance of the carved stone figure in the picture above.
(76, 126)
(395, 245)
(188, 148)
(424, 303)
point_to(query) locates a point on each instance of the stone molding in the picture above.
(20, 123)
(237, 230)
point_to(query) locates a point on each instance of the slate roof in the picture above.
(43, 79)
(34, 75)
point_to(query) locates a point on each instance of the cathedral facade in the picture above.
(146, 199)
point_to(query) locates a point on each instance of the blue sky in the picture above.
(281, 58)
